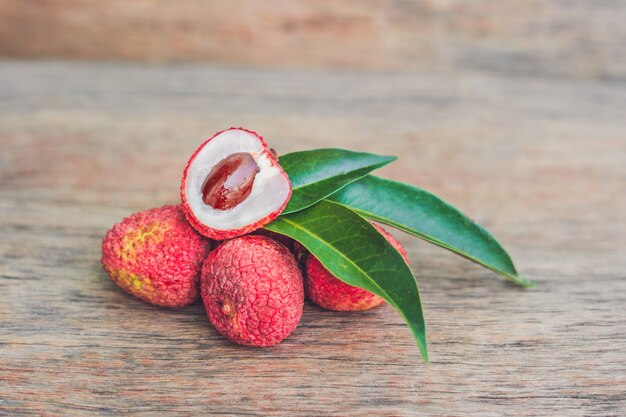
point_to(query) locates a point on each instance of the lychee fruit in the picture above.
(233, 185)
(253, 290)
(329, 292)
(156, 256)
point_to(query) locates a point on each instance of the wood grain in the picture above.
(541, 163)
(572, 38)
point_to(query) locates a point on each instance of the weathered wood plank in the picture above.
(573, 38)
(540, 163)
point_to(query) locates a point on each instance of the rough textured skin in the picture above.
(253, 290)
(156, 255)
(282, 239)
(329, 292)
(216, 234)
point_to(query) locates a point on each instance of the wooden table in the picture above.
(540, 162)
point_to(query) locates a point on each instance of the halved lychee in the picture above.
(233, 185)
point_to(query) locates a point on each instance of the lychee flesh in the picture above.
(252, 290)
(233, 185)
(156, 256)
(329, 292)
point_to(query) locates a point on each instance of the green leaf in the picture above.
(318, 173)
(426, 216)
(352, 250)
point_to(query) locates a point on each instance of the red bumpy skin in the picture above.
(282, 239)
(329, 292)
(221, 233)
(253, 290)
(156, 256)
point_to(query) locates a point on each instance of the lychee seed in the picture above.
(230, 181)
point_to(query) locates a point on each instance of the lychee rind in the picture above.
(156, 256)
(329, 292)
(282, 239)
(252, 290)
(221, 233)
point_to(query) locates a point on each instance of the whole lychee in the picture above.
(233, 185)
(156, 256)
(253, 290)
(329, 292)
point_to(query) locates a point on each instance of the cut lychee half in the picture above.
(233, 185)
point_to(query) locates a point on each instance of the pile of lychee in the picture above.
(252, 281)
